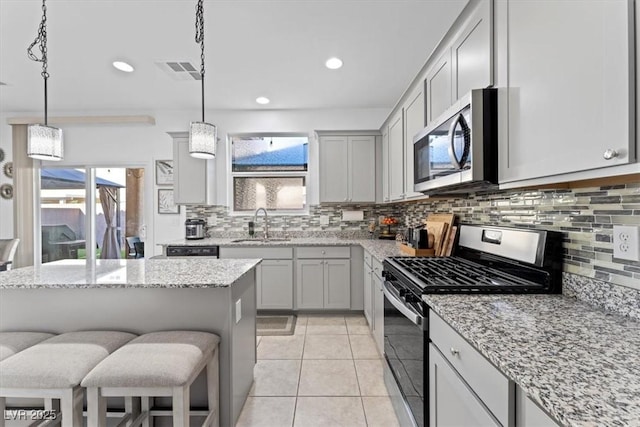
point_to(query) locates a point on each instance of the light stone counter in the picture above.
(578, 363)
(139, 273)
(380, 249)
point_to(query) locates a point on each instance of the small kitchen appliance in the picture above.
(195, 228)
(488, 260)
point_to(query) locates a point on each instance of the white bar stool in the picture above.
(54, 368)
(154, 365)
(12, 343)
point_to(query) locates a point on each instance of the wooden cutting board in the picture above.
(438, 229)
(448, 219)
(448, 245)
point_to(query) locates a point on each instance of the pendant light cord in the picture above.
(41, 41)
(200, 39)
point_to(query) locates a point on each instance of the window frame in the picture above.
(266, 174)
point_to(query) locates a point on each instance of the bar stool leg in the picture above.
(146, 407)
(213, 369)
(71, 405)
(96, 408)
(132, 407)
(181, 403)
(3, 407)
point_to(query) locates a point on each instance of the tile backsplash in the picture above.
(585, 216)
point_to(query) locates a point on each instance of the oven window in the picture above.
(404, 347)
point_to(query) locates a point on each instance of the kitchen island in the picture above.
(141, 296)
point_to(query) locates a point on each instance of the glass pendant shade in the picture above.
(44, 143)
(202, 140)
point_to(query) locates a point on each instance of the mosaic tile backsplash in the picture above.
(585, 216)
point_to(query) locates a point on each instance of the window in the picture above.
(269, 171)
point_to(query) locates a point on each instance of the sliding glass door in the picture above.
(89, 212)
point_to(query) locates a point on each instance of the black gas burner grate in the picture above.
(453, 275)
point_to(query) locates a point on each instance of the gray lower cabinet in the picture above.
(451, 401)
(465, 388)
(323, 283)
(378, 311)
(274, 275)
(275, 284)
(528, 414)
(368, 291)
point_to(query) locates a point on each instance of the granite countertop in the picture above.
(578, 363)
(140, 273)
(380, 249)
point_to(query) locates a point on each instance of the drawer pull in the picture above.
(454, 352)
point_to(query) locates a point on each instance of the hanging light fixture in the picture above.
(202, 135)
(43, 142)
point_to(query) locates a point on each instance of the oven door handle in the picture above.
(398, 304)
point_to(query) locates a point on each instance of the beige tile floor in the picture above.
(327, 374)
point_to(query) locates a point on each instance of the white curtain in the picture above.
(110, 243)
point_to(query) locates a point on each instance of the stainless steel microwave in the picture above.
(458, 153)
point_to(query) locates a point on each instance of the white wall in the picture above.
(141, 145)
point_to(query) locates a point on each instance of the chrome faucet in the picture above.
(266, 221)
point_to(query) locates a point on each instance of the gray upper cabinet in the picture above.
(193, 179)
(472, 52)
(385, 164)
(413, 123)
(438, 86)
(347, 168)
(396, 157)
(334, 169)
(570, 68)
(362, 168)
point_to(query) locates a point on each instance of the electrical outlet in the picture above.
(324, 219)
(626, 242)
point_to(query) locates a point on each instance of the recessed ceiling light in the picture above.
(333, 63)
(262, 100)
(123, 66)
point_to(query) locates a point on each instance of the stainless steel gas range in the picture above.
(487, 260)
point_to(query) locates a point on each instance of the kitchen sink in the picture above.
(271, 239)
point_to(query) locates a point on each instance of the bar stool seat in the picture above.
(153, 365)
(54, 368)
(14, 342)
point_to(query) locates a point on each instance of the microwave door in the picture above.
(433, 167)
(459, 142)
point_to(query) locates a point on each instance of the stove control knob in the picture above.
(387, 275)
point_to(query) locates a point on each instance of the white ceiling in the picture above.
(272, 48)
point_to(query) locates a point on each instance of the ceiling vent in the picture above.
(179, 70)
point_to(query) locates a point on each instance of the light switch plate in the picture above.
(238, 310)
(626, 242)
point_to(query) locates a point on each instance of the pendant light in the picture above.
(43, 142)
(202, 135)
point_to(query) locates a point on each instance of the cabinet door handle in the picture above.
(323, 252)
(454, 352)
(610, 154)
